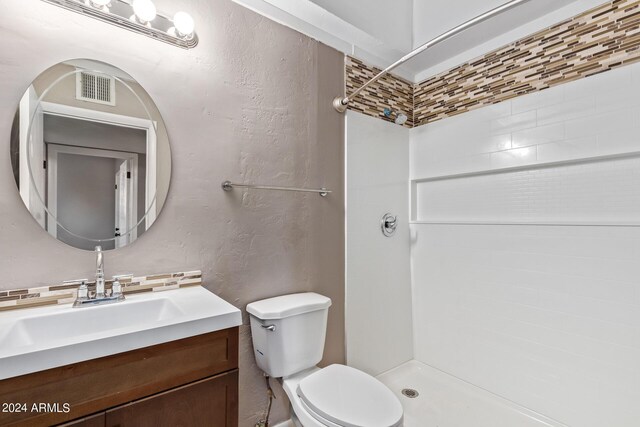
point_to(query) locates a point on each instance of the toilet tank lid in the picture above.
(288, 305)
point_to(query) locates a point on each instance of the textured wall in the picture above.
(251, 103)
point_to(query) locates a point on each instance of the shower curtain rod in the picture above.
(341, 103)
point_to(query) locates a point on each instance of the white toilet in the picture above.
(288, 339)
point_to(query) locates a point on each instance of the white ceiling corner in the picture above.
(380, 32)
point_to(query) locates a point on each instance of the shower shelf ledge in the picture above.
(538, 223)
(525, 167)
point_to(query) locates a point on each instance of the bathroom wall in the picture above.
(526, 241)
(378, 315)
(251, 103)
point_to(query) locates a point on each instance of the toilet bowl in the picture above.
(288, 334)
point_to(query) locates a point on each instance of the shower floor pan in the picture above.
(446, 401)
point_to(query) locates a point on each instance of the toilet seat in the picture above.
(317, 417)
(347, 397)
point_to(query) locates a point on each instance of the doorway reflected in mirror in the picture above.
(90, 155)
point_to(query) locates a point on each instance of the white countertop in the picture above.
(41, 338)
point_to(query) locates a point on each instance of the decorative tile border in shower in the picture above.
(603, 38)
(66, 293)
(595, 41)
(390, 92)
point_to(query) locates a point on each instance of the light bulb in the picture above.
(144, 10)
(100, 3)
(184, 24)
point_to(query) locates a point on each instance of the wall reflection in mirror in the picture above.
(90, 155)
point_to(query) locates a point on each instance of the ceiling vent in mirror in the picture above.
(97, 88)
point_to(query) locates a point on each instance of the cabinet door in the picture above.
(212, 402)
(96, 420)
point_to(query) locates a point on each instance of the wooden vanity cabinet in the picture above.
(204, 403)
(190, 382)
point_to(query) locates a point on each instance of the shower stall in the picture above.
(507, 293)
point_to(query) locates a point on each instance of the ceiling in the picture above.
(380, 31)
(387, 21)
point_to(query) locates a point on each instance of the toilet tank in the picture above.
(288, 332)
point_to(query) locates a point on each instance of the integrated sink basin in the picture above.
(35, 339)
(52, 327)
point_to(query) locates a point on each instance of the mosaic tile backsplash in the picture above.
(595, 41)
(390, 92)
(66, 293)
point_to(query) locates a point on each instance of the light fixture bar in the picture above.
(119, 13)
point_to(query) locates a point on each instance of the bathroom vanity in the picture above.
(156, 359)
(193, 381)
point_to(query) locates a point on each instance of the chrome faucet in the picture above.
(84, 299)
(99, 273)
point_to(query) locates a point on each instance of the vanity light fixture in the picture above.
(144, 11)
(139, 16)
(184, 25)
(100, 4)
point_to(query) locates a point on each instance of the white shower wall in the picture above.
(378, 294)
(547, 316)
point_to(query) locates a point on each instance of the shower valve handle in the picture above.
(389, 224)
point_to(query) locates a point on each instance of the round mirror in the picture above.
(90, 155)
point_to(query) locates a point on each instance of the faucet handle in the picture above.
(83, 289)
(116, 287)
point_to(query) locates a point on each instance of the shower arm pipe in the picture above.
(340, 103)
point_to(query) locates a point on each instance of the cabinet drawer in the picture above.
(95, 385)
(212, 402)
